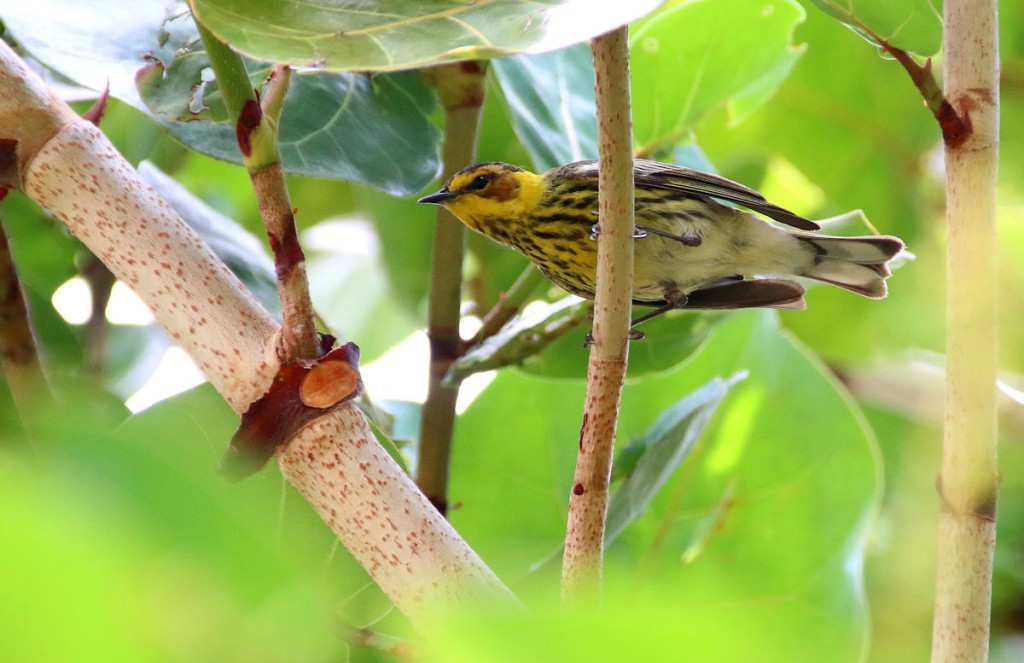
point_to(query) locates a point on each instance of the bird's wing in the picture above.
(679, 178)
(729, 294)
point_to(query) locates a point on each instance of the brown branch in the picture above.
(461, 88)
(588, 504)
(101, 285)
(256, 130)
(19, 359)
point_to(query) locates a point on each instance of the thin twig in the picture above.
(955, 127)
(508, 304)
(588, 504)
(256, 128)
(101, 285)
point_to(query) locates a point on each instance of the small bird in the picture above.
(690, 250)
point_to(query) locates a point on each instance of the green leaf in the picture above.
(709, 61)
(375, 130)
(550, 100)
(256, 568)
(912, 25)
(406, 232)
(650, 460)
(385, 35)
(770, 509)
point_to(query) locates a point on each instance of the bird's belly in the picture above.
(668, 266)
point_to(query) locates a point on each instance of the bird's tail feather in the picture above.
(858, 264)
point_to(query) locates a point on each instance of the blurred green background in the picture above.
(802, 525)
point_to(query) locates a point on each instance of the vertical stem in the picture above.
(461, 88)
(969, 476)
(588, 503)
(256, 129)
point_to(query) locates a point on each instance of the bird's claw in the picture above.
(634, 335)
(639, 232)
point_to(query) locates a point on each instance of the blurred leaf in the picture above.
(650, 460)
(550, 100)
(912, 25)
(690, 154)
(131, 354)
(211, 570)
(406, 232)
(777, 574)
(346, 126)
(708, 61)
(240, 250)
(44, 255)
(349, 290)
(387, 36)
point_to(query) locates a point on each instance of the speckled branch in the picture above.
(68, 166)
(588, 502)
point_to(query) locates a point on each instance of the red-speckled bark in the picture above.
(588, 503)
(69, 167)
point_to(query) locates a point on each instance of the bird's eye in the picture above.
(479, 182)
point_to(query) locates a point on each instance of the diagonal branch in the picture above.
(68, 166)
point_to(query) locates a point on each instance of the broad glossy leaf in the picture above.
(550, 100)
(344, 126)
(379, 35)
(697, 55)
(913, 25)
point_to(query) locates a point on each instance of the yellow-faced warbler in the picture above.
(690, 251)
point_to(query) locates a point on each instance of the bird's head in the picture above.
(487, 194)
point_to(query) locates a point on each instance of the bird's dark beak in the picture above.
(439, 198)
